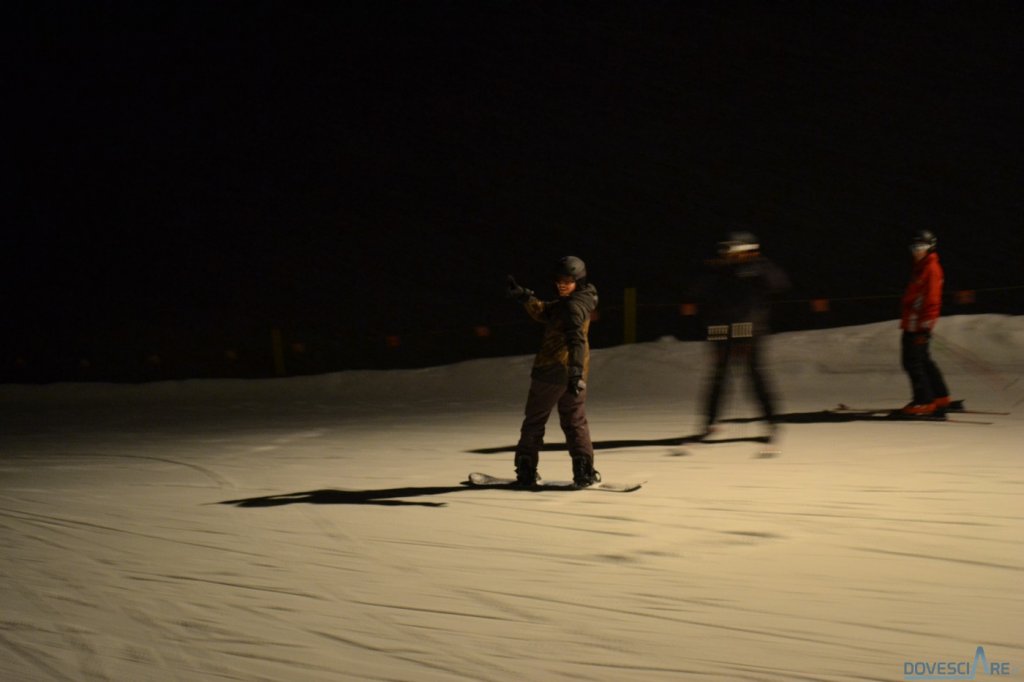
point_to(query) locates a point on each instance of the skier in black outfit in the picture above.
(559, 373)
(734, 294)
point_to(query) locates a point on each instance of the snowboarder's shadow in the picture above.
(386, 497)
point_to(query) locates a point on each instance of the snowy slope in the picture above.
(314, 528)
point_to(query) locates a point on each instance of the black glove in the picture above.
(576, 383)
(517, 292)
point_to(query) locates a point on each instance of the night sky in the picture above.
(378, 168)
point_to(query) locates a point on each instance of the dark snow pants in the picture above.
(925, 378)
(572, 417)
(745, 351)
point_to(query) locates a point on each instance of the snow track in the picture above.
(218, 531)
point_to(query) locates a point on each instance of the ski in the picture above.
(897, 416)
(482, 480)
(956, 406)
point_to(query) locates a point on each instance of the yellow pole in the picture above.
(629, 315)
(278, 346)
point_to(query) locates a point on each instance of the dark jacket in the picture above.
(564, 348)
(738, 290)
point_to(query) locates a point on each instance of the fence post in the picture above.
(278, 346)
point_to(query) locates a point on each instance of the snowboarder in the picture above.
(560, 371)
(922, 302)
(734, 294)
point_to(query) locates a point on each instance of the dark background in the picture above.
(189, 176)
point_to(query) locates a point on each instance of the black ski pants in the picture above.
(925, 378)
(745, 351)
(572, 416)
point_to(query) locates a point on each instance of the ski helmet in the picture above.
(925, 237)
(738, 242)
(570, 266)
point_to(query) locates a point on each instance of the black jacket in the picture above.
(737, 291)
(564, 349)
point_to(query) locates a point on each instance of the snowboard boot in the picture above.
(526, 474)
(526, 479)
(583, 472)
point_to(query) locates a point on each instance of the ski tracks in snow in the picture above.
(830, 563)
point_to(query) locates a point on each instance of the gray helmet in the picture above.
(926, 237)
(570, 266)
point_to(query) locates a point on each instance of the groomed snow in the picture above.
(314, 528)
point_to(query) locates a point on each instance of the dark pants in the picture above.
(572, 416)
(745, 351)
(925, 377)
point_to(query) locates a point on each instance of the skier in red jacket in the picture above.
(922, 302)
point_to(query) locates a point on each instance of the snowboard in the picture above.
(478, 479)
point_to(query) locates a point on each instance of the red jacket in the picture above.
(923, 298)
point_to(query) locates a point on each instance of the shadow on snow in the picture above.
(386, 497)
(393, 497)
(820, 417)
